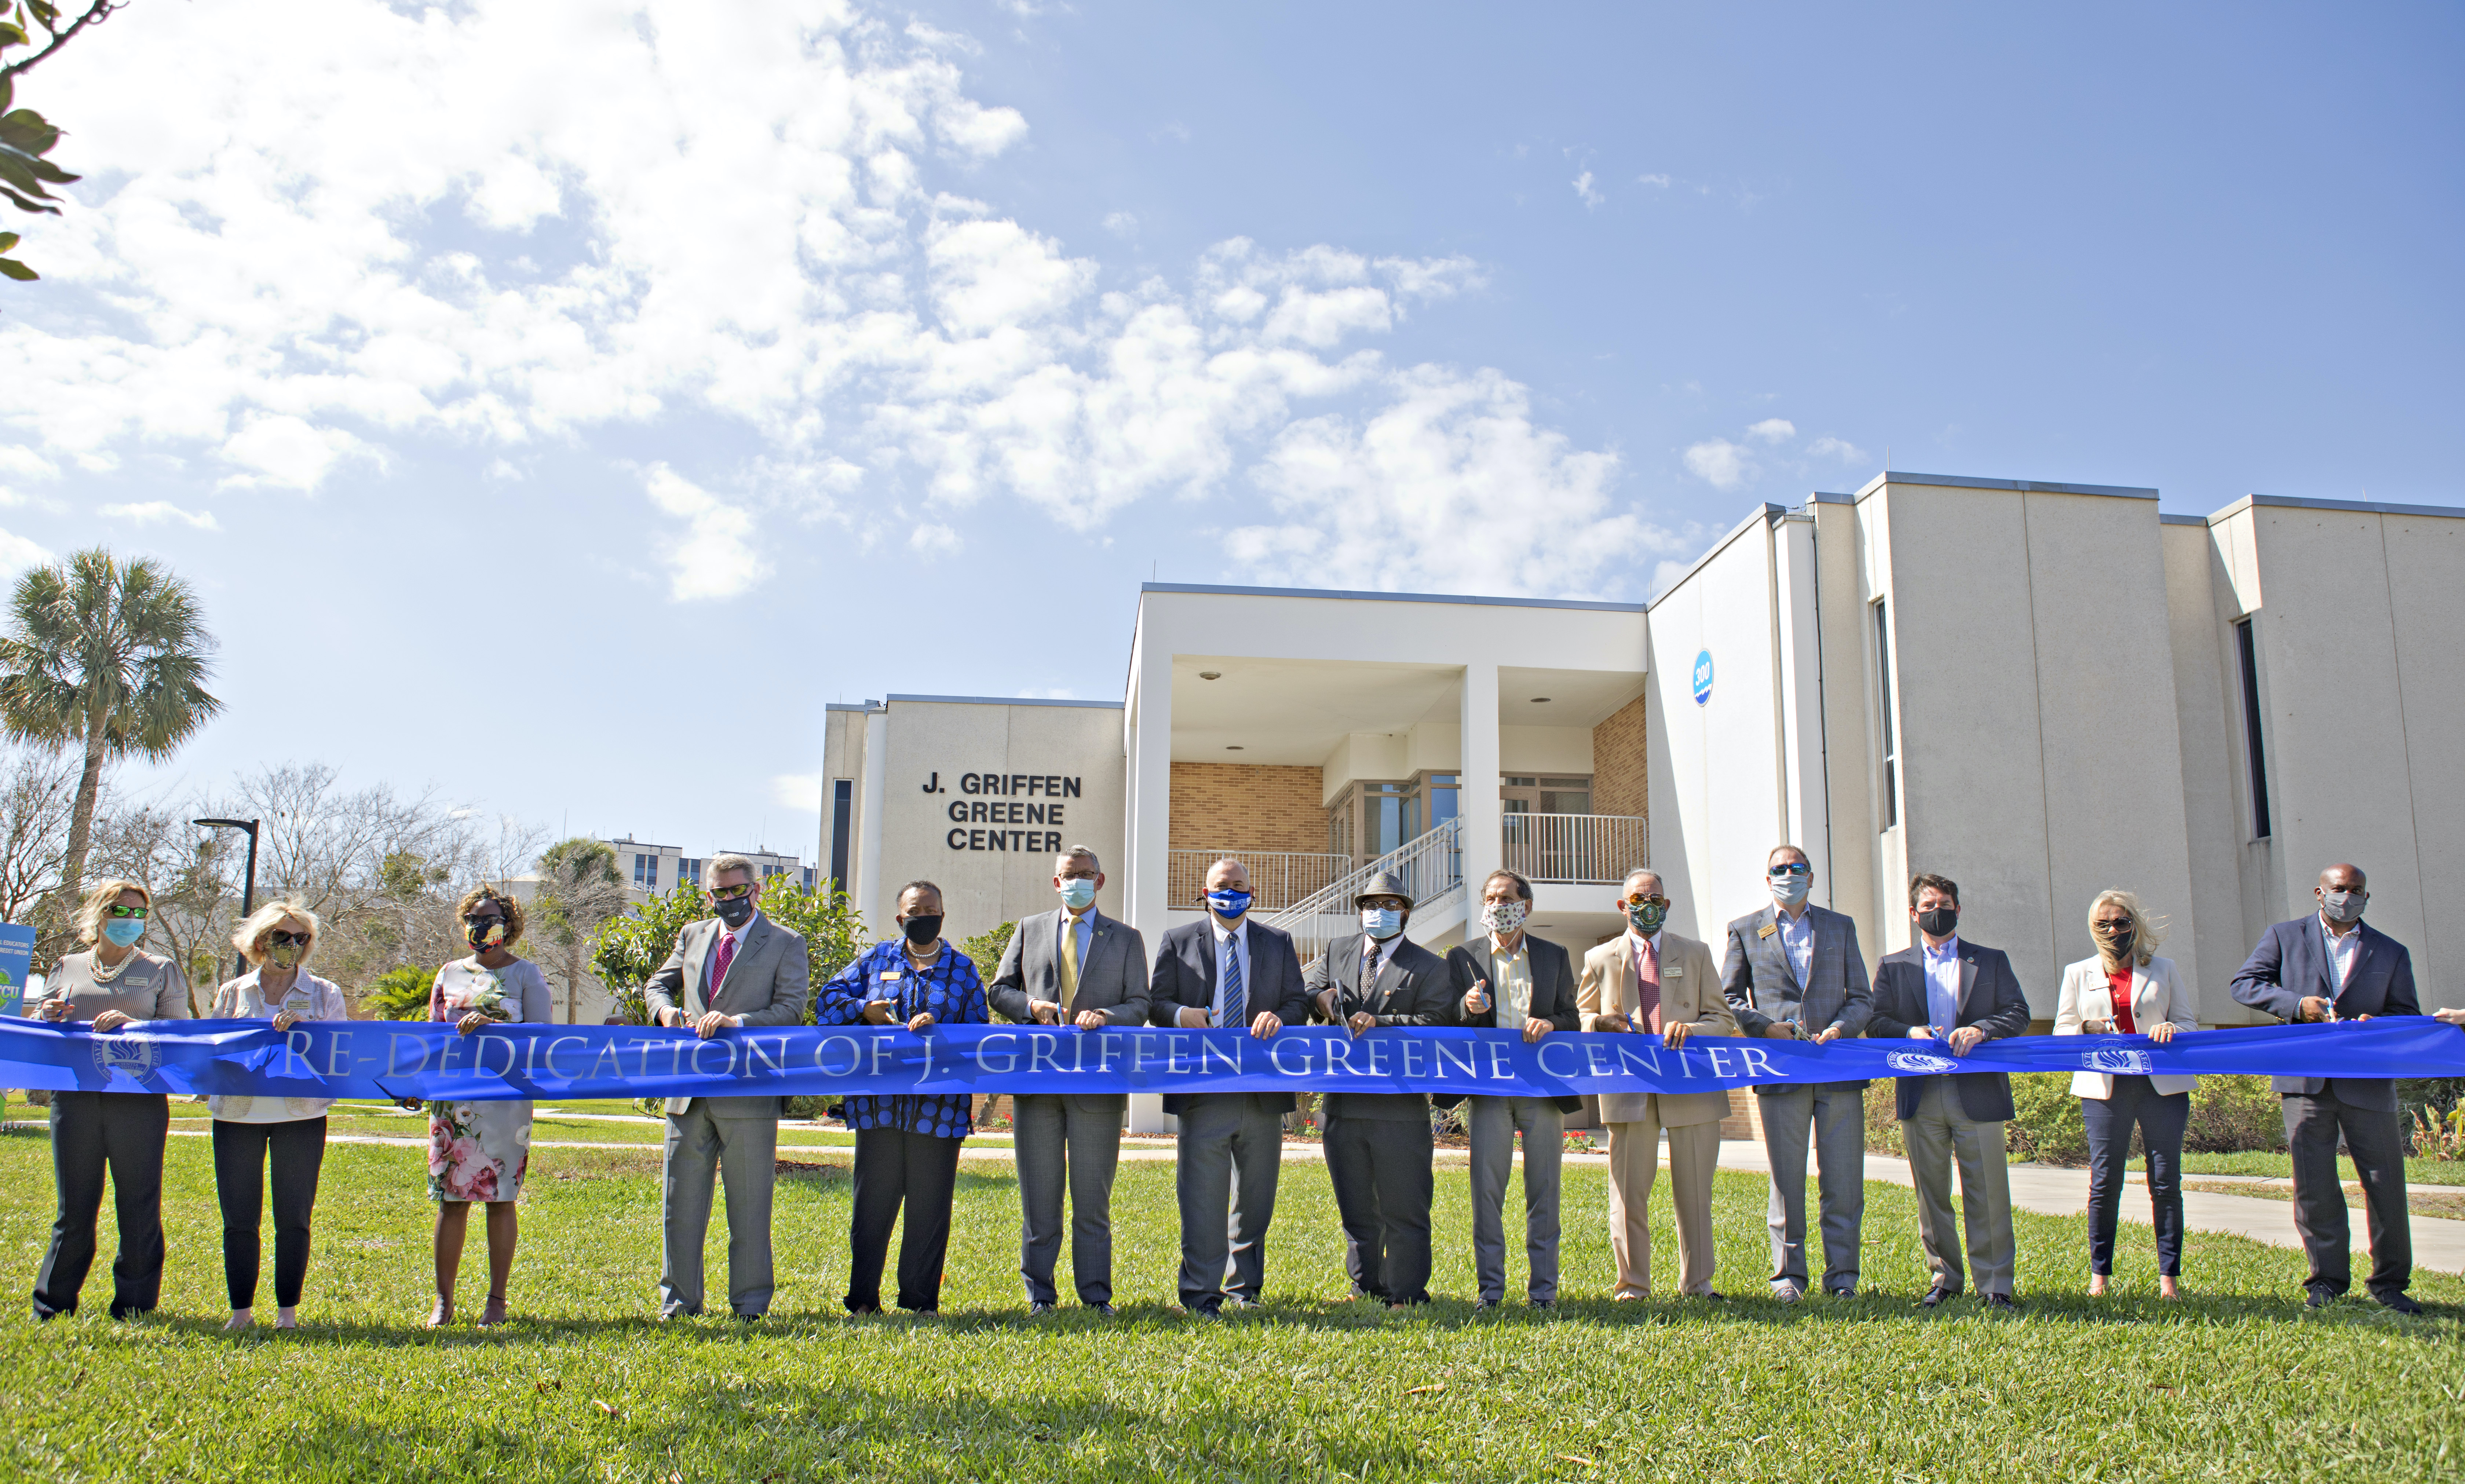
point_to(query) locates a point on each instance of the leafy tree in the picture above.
(399, 993)
(631, 948)
(985, 951)
(26, 137)
(108, 655)
(579, 889)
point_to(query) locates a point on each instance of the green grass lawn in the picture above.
(2237, 1384)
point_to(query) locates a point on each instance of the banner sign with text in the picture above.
(362, 1058)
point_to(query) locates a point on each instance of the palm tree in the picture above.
(108, 655)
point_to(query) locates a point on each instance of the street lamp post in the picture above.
(248, 892)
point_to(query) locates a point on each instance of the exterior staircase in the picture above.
(1431, 866)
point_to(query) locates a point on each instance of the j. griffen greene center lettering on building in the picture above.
(1006, 799)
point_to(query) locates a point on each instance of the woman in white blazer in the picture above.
(2124, 989)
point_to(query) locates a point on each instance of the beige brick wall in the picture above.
(1618, 763)
(1246, 806)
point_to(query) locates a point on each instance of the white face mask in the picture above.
(1381, 923)
(1504, 916)
(1789, 891)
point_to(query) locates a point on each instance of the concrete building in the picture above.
(2039, 690)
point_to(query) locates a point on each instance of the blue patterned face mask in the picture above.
(1228, 904)
(124, 931)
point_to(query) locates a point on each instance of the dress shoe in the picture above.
(1039, 1307)
(1935, 1297)
(2398, 1303)
(1711, 1296)
(2002, 1302)
(1208, 1312)
(1104, 1310)
(1236, 1301)
(2317, 1296)
(1541, 1303)
(1487, 1303)
(1787, 1292)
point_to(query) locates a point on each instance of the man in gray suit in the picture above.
(1073, 966)
(1378, 1146)
(736, 969)
(1793, 972)
(1226, 972)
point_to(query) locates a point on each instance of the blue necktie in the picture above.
(1235, 1002)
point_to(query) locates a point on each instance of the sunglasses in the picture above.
(483, 918)
(731, 893)
(137, 913)
(2113, 925)
(279, 939)
(1647, 901)
(1794, 868)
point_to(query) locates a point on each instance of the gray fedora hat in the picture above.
(1385, 883)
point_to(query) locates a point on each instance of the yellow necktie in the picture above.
(1069, 961)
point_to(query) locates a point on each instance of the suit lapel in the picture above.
(697, 963)
(754, 938)
(1967, 976)
(1780, 948)
(1100, 940)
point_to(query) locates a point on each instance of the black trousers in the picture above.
(296, 1150)
(893, 1167)
(2375, 1141)
(1382, 1182)
(2160, 1119)
(124, 1134)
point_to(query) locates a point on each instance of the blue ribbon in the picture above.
(365, 1058)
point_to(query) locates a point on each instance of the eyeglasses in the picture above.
(119, 911)
(731, 893)
(1647, 901)
(279, 939)
(2112, 925)
(1794, 868)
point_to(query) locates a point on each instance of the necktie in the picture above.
(1648, 1004)
(1369, 974)
(1236, 999)
(1069, 961)
(719, 961)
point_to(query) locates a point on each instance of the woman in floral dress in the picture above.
(477, 1151)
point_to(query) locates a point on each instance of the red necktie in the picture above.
(1648, 970)
(719, 961)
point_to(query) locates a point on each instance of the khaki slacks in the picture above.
(1635, 1160)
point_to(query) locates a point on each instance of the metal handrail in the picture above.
(1279, 880)
(1583, 848)
(1431, 864)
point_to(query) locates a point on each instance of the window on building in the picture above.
(689, 869)
(842, 823)
(645, 869)
(2254, 754)
(1535, 793)
(1891, 733)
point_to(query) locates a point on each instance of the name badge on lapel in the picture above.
(889, 974)
(1673, 972)
(1767, 930)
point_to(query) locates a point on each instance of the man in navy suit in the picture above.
(1224, 971)
(2332, 965)
(1943, 988)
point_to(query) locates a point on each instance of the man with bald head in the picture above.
(2330, 965)
(1652, 981)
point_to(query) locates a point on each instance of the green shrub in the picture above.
(2235, 1115)
(1883, 1119)
(2230, 1115)
(2046, 1126)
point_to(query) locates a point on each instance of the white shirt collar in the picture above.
(1221, 931)
(1950, 948)
(1635, 937)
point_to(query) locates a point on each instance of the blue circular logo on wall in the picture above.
(1703, 679)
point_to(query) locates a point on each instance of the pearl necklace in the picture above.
(109, 973)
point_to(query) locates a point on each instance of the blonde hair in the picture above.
(100, 898)
(2146, 931)
(265, 919)
(512, 909)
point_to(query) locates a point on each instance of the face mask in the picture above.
(2119, 945)
(921, 931)
(1381, 923)
(1077, 892)
(1228, 903)
(2341, 907)
(1504, 916)
(1645, 916)
(124, 931)
(736, 911)
(1790, 890)
(285, 957)
(485, 934)
(1937, 921)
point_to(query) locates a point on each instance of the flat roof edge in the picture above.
(849, 705)
(1006, 701)
(1966, 482)
(1764, 515)
(2198, 521)
(1211, 589)
(2358, 506)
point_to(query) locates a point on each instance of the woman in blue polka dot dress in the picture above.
(907, 1146)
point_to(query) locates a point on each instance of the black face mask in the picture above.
(736, 911)
(921, 931)
(2119, 944)
(1937, 921)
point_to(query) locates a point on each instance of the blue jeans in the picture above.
(2160, 1119)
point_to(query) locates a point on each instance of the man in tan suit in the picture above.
(1655, 981)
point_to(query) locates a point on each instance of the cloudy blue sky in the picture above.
(557, 402)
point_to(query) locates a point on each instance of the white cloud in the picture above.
(1773, 429)
(1660, 181)
(1830, 447)
(1123, 224)
(714, 558)
(154, 510)
(796, 790)
(26, 464)
(17, 553)
(934, 540)
(745, 216)
(1720, 463)
(1584, 190)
